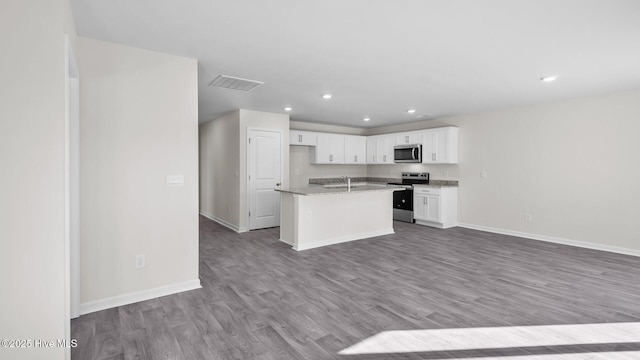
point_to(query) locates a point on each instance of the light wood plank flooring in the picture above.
(262, 300)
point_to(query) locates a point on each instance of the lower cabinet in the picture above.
(435, 206)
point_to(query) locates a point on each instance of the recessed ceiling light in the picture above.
(549, 78)
(411, 111)
(366, 119)
(288, 108)
(327, 96)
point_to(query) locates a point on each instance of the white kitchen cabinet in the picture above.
(371, 149)
(355, 149)
(414, 137)
(380, 149)
(440, 145)
(304, 138)
(329, 149)
(435, 206)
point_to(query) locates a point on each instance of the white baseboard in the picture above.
(435, 224)
(552, 239)
(225, 223)
(137, 296)
(341, 239)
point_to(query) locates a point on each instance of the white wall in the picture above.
(307, 126)
(139, 123)
(572, 165)
(32, 305)
(220, 169)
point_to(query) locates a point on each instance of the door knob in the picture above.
(278, 184)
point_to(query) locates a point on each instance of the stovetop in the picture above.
(410, 178)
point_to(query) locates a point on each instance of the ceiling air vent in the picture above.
(234, 83)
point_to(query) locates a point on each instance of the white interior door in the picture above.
(265, 174)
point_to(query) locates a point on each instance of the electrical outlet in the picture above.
(140, 261)
(528, 217)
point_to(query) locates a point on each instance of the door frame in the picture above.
(71, 187)
(248, 162)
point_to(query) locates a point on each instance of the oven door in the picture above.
(403, 205)
(403, 199)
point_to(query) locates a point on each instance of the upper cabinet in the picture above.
(414, 137)
(380, 149)
(305, 138)
(371, 149)
(440, 145)
(329, 149)
(355, 149)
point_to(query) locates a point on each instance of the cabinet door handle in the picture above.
(300, 138)
(433, 156)
(406, 139)
(355, 158)
(374, 158)
(384, 158)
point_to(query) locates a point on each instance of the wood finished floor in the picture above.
(262, 300)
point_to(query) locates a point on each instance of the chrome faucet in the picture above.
(348, 181)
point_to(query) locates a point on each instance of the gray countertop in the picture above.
(375, 180)
(317, 190)
(339, 180)
(437, 185)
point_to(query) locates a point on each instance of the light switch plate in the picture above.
(175, 180)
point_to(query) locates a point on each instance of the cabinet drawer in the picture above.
(426, 190)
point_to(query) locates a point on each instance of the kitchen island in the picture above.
(317, 216)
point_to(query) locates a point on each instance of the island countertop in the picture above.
(317, 190)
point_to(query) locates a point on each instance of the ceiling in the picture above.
(379, 58)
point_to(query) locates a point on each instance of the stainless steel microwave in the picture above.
(410, 153)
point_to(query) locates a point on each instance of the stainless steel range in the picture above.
(403, 199)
